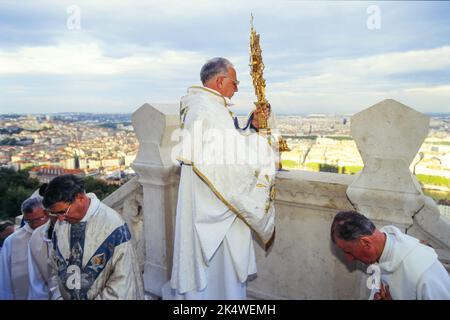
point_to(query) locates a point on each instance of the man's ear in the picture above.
(219, 81)
(365, 241)
(79, 196)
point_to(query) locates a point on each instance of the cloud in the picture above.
(328, 85)
(437, 90)
(88, 59)
(349, 85)
(397, 62)
(132, 52)
(360, 74)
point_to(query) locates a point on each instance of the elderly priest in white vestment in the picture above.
(39, 249)
(14, 283)
(409, 269)
(226, 191)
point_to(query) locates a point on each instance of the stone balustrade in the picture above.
(127, 201)
(302, 263)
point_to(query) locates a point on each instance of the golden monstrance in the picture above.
(259, 84)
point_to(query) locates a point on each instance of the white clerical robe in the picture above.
(14, 282)
(39, 249)
(412, 270)
(108, 267)
(226, 190)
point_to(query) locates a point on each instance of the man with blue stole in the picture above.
(92, 255)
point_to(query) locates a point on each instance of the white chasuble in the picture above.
(226, 190)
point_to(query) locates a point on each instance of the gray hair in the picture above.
(30, 204)
(5, 224)
(350, 225)
(214, 67)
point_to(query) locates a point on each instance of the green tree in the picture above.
(99, 187)
(15, 187)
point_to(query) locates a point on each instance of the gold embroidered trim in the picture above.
(221, 198)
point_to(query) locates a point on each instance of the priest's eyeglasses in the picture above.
(59, 213)
(35, 219)
(236, 82)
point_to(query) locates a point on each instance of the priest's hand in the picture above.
(256, 114)
(384, 293)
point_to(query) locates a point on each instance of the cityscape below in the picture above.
(104, 146)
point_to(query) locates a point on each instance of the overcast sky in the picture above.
(320, 57)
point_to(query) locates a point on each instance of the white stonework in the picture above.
(302, 262)
(159, 178)
(434, 228)
(388, 136)
(127, 201)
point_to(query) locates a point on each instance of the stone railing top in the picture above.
(149, 121)
(121, 194)
(388, 136)
(154, 125)
(313, 189)
(389, 130)
(319, 177)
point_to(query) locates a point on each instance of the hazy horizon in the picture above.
(110, 56)
(237, 113)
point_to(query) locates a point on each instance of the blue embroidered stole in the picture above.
(78, 279)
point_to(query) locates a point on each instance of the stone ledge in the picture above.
(120, 195)
(313, 189)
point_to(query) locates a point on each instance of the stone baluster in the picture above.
(388, 136)
(159, 177)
